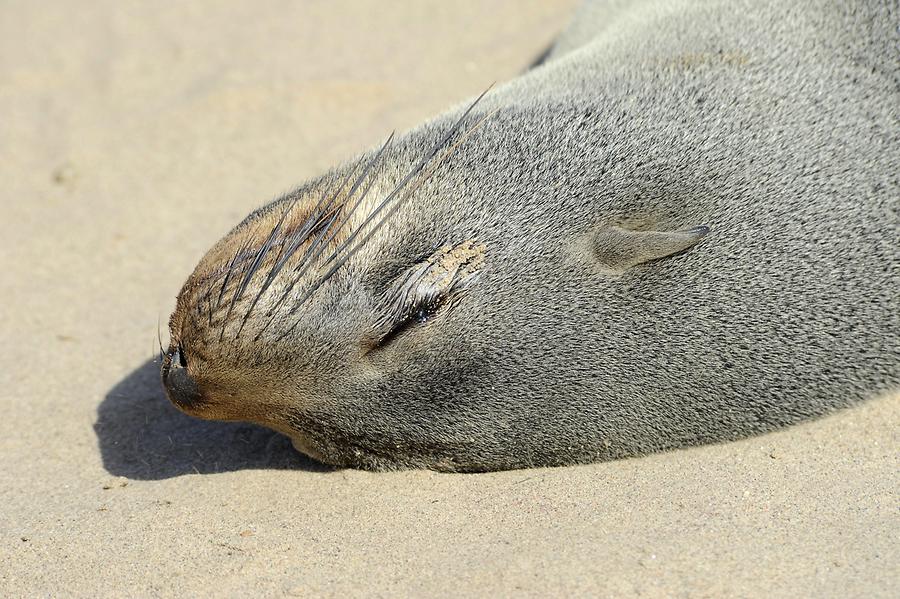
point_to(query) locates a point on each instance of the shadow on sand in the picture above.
(142, 436)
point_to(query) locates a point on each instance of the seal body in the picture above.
(681, 228)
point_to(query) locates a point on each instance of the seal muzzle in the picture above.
(180, 387)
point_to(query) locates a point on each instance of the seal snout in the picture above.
(181, 388)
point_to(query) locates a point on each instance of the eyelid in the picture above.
(430, 285)
(389, 331)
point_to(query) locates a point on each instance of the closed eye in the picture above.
(418, 295)
(420, 314)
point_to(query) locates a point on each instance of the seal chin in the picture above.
(302, 445)
(181, 388)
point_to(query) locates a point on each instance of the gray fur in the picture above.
(601, 325)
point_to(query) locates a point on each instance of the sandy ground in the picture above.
(132, 137)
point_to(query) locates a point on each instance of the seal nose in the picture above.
(182, 389)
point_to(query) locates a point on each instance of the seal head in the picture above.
(639, 245)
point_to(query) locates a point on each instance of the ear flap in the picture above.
(620, 249)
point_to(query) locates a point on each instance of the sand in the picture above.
(133, 135)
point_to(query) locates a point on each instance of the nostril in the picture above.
(181, 357)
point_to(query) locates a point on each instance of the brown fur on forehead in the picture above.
(236, 251)
(246, 240)
(248, 237)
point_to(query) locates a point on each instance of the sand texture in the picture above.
(133, 135)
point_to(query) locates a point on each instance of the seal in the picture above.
(680, 228)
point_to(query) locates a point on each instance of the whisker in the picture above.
(427, 175)
(417, 169)
(162, 352)
(205, 298)
(306, 257)
(361, 197)
(297, 239)
(311, 253)
(228, 274)
(315, 220)
(209, 308)
(225, 281)
(258, 261)
(234, 260)
(287, 291)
